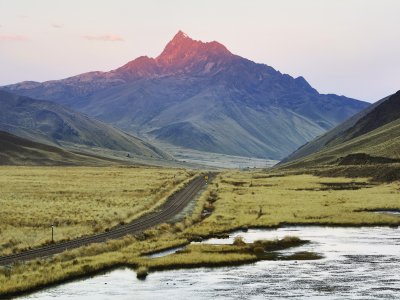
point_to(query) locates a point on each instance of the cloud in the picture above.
(107, 38)
(56, 25)
(13, 38)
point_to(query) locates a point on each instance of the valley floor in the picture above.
(234, 200)
(76, 200)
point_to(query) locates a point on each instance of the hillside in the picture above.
(332, 137)
(50, 123)
(373, 139)
(201, 96)
(15, 150)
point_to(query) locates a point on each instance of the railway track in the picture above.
(174, 205)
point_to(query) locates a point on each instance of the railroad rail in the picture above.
(172, 206)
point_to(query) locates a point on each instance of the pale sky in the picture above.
(346, 47)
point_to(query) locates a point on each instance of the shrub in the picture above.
(209, 206)
(87, 268)
(238, 241)
(142, 272)
(258, 250)
(304, 255)
(290, 239)
(179, 227)
(6, 272)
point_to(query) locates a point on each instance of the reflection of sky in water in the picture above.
(388, 212)
(359, 263)
(328, 240)
(165, 252)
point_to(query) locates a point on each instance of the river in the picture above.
(358, 263)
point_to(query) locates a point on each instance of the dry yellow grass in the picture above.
(77, 200)
(257, 199)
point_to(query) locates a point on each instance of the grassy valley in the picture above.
(76, 200)
(189, 160)
(350, 182)
(234, 200)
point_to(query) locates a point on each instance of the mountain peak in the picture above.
(181, 55)
(181, 35)
(183, 49)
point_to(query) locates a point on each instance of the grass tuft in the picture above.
(142, 272)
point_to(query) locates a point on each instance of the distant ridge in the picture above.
(15, 150)
(53, 124)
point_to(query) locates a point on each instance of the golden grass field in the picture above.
(237, 200)
(77, 200)
(259, 199)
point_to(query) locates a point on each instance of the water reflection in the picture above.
(165, 252)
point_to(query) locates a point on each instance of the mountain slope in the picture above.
(374, 137)
(332, 137)
(201, 96)
(386, 112)
(51, 123)
(15, 150)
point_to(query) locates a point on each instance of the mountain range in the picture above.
(201, 96)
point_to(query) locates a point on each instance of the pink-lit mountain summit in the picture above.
(181, 55)
(201, 96)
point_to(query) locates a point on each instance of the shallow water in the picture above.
(359, 263)
(165, 252)
(388, 212)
